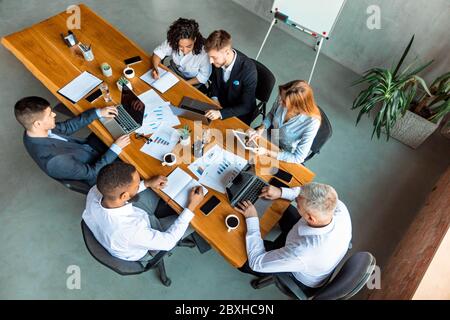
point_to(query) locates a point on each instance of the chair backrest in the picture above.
(323, 135)
(350, 279)
(122, 267)
(266, 82)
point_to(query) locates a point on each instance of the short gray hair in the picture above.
(319, 197)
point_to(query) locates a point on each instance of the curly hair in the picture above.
(185, 29)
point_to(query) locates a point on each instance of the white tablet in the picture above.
(242, 137)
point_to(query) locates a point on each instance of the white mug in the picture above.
(128, 73)
(227, 222)
(167, 162)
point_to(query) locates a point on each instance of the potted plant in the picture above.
(106, 69)
(390, 95)
(436, 107)
(124, 81)
(185, 135)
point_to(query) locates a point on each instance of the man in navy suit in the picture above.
(54, 150)
(233, 79)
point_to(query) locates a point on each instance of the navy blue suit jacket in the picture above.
(237, 95)
(73, 159)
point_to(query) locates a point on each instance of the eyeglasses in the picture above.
(141, 136)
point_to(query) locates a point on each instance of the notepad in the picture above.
(166, 80)
(179, 185)
(76, 89)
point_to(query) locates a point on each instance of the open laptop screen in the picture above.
(132, 104)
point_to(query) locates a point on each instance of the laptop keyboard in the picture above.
(125, 120)
(253, 192)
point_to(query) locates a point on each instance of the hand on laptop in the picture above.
(195, 197)
(213, 114)
(270, 193)
(108, 112)
(156, 182)
(123, 141)
(247, 209)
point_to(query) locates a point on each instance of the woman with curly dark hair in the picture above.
(185, 45)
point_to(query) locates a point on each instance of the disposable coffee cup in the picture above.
(169, 159)
(128, 73)
(232, 222)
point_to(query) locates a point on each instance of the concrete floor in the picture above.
(383, 183)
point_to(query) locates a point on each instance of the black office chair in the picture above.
(323, 135)
(76, 185)
(62, 109)
(264, 87)
(123, 267)
(347, 282)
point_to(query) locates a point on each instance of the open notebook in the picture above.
(76, 89)
(166, 80)
(179, 185)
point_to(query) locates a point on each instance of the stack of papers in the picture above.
(162, 141)
(179, 185)
(80, 86)
(166, 80)
(217, 168)
(157, 112)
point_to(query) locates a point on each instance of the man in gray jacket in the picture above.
(54, 150)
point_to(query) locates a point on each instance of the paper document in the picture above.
(166, 80)
(162, 141)
(217, 168)
(80, 86)
(179, 185)
(245, 141)
(157, 112)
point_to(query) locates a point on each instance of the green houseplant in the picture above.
(123, 81)
(185, 135)
(390, 92)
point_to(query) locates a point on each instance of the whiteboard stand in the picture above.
(318, 46)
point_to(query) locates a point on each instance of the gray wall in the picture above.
(356, 47)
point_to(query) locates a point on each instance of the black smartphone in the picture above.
(132, 60)
(94, 96)
(277, 183)
(209, 205)
(283, 175)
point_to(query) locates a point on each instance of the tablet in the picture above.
(242, 137)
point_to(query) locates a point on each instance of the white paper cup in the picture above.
(232, 222)
(167, 162)
(128, 73)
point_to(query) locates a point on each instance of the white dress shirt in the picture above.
(227, 70)
(126, 231)
(311, 254)
(190, 65)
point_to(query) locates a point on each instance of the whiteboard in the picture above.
(317, 16)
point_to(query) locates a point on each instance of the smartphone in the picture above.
(277, 183)
(94, 96)
(283, 175)
(132, 60)
(210, 205)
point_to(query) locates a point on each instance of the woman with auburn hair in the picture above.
(296, 120)
(185, 45)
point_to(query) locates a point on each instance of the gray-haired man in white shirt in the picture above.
(123, 214)
(315, 236)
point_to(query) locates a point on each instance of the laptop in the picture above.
(247, 186)
(193, 110)
(130, 115)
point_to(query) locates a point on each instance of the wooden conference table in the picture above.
(41, 49)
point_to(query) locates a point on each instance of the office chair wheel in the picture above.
(166, 282)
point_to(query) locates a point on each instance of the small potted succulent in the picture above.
(185, 135)
(123, 81)
(106, 69)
